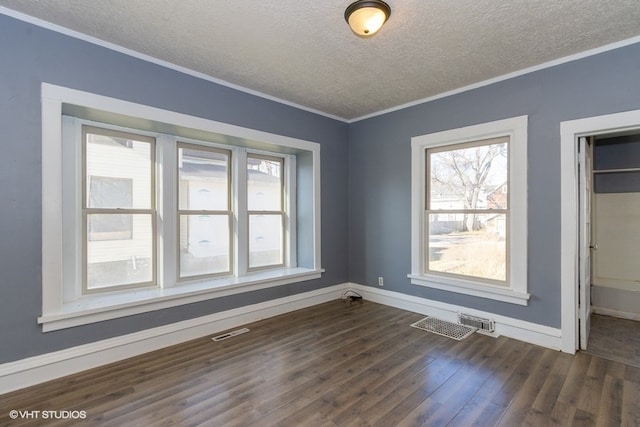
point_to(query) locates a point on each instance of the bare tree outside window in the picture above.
(467, 206)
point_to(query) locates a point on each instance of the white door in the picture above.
(584, 294)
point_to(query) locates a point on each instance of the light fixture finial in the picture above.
(366, 17)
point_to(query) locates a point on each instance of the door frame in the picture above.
(570, 132)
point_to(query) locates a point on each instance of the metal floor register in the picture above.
(442, 327)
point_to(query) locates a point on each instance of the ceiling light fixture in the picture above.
(366, 17)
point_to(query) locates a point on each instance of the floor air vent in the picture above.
(444, 328)
(230, 334)
(477, 322)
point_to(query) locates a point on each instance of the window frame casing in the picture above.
(515, 289)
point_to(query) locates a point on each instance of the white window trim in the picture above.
(516, 290)
(56, 314)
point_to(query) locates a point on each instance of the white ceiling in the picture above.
(301, 51)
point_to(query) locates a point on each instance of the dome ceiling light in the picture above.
(366, 17)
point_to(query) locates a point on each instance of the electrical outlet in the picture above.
(380, 281)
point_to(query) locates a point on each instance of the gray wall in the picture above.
(379, 171)
(30, 55)
(622, 152)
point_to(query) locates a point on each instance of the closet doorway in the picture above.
(574, 309)
(610, 245)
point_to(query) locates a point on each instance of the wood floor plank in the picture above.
(453, 397)
(381, 392)
(416, 391)
(357, 391)
(447, 400)
(341, 364)
(547, 397)
(562, 414)
(630, 404)
(610, 410)
(501, 369)
(478, 411)
(574, 384)
(591, 391)
(584, 418)
(632, 373)
(533, 379)
(553, 384)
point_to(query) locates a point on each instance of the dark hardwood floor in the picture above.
(338, 364)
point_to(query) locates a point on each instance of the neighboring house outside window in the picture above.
(204, 209)
(265, 203)
(118, 209)
(110, 191)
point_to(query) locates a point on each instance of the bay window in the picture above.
(146, 209)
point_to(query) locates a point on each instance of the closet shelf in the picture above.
(616, 170)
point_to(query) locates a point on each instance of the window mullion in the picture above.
(290, 189)
(241, 217)
(166, 200)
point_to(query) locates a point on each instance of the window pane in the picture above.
(468, 244)
(119, 261)
(108, 192)
(203, 179)
(110, 227)
(118, 172)
(469, 178)
(204, 245)
(265, 240)
(264, 184)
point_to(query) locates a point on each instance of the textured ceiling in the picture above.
(302, 51)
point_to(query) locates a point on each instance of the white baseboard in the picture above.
(37, 369)
(533, 333)
(615, 313)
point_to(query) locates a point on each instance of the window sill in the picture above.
(98, 308)
(460, 286)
